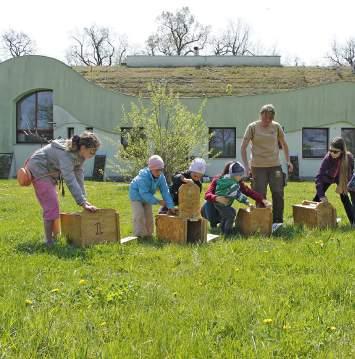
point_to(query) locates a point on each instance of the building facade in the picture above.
(41, 97)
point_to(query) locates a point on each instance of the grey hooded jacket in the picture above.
(54, 159)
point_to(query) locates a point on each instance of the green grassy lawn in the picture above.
(289, 296)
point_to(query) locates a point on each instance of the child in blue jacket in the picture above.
(141, 194)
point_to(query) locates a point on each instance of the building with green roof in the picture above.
(41, 97)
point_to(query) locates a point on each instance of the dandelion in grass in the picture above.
(103, 324)
(55, 290)
(332, 328)
(28, 302)
(82, 281)
(267, 321)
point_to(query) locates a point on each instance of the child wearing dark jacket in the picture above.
(337, 167)
(193, 175)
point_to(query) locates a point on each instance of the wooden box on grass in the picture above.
(180, 230)
(86, 228)
(315, 214)
(189, 201)
(254, 220)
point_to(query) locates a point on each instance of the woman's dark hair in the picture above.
(87, 139)
(339, 144)
(226, 168)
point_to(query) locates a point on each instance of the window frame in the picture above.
(69, 130)
(327, 144)
(211, 130)
(49, 132)
(341, 134)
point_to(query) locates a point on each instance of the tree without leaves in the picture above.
(92, 47)
(343, 54)
(234, 40)
(121, 48)
(177, 34)
(17, 43)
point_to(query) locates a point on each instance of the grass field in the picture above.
(289, 296)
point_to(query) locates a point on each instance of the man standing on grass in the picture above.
(265, 136)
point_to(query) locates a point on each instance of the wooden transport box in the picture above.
(254, 220)
(86, 228)
(315, 214)
(180, 230)
(189, 201)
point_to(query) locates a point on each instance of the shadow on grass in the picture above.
(151, 242)
(61, 249)
(286, 232)
(289, 232)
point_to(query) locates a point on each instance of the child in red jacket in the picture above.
(209, 211)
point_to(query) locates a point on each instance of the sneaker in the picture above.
(276, 226)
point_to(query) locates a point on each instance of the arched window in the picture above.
(34, 122)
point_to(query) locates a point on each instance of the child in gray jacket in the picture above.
(63, 158)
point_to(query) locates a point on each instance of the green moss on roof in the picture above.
(216, 81)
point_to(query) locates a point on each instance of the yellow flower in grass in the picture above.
(28, 302)
(55, 290)
(103, 324)
(82, 281)
(332, 328)
(267, 321)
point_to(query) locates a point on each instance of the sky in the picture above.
(298, 28)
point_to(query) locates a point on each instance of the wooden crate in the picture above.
(315, 214)
(189, 201)
(180, 230)
(86, 228)
(254, 220)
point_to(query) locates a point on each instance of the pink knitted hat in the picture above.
(155, 162)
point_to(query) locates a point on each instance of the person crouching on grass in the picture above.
(193, 175)
(337, 167)
(229, 186)
(61, 159)
(141, 193)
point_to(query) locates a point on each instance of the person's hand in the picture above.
(162, 203)
(89, 207)
(188, 180)
(290, 167)
(171, 211)
(266, 203)
(247, 172)
(323, 199)
(222, 200)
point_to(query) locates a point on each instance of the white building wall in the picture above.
(191, 61)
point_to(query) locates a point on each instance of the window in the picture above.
(314, 142)
(70, 132)
(129, 130)
(222, 142)
(34, 122)
(348, 134)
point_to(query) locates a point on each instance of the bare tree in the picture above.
(234, 40)
(343, 54)
(92, 47)
(122, 48)
(17, 44)
(177, 34)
